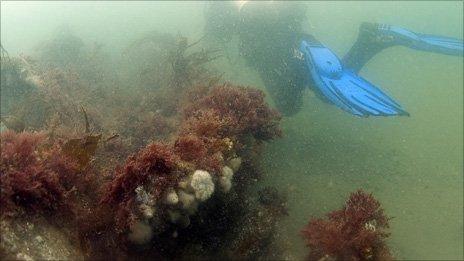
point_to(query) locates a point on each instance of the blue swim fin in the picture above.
(344, 88)
(423, 42)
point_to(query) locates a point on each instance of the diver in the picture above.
(272, 41)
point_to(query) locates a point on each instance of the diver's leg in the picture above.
(373, 38)
(343, 88)
(422, 42)
(368, 44)
(285, 85)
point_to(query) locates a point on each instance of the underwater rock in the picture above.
(168, 150)
(14, 86)
(183, 221)
(273, 199)
(255, 235)
(140, 233)
(202, 184)
(12, 123)
(36, 239)
(64, 49)
(174, 215)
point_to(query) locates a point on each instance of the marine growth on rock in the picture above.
(358, 231)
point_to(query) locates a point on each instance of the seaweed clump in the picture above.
(36, 176)
(355, 232)
(221, 121)
(212, 132)
(165, 162)
(244, 110)
(152, 169)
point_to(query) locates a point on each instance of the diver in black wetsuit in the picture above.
(268, 36)
(272, 41)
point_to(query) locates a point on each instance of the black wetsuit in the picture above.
(269, 38)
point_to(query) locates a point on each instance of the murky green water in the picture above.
(413, 165)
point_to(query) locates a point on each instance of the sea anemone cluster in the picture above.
(167, 182)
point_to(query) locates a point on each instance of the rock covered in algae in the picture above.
(36, 239)
(140, 233)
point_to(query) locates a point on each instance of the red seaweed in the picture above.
(355, 232)
(218, 121)
(35, 175)
(203, 127)
(153, 166)
(244, 110)
(213, 123)
(190, 147)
